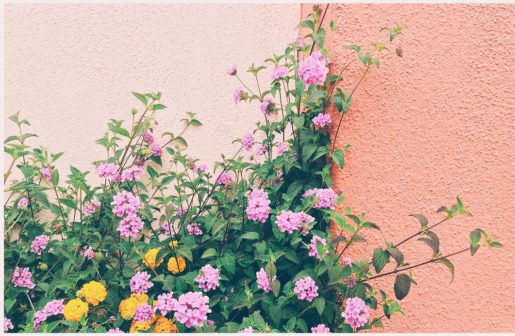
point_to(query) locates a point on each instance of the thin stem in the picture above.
(347, 245)
(319, 26)
(414, 266)
(420, 232)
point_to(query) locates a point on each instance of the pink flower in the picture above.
(224, 178)
(322, 120)
(281, 148)
(125, 203)
(279, 72)
(22, 203)
(306, 289)
(90, 207)
(232, 71)
(267, 106)
(247, 142)
(347, 261)
(263, 281)
(194, 229)
(166, 303)
(300, 43)
(130, 226)
(144, 312)
(148, 137)
(115, 331)
(289, 221)
(180, 211)
(21, 278)
(7, 324)
(192, 309)
(313, 69)
(166, 228)
(313, 251)
(140, 283)
(356, 312)
(238, 95)
(321, 328)
(156, 149)
(247, 330)
(52, 308)
(131, 174)
(258, 207)
(325, 198)
(39, 244)
(109, 171)
(260, 150)
(87, 252)
(46, 173)
(200, 168)
(208, 278)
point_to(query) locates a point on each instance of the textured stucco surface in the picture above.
(70, 68)
(437, 123)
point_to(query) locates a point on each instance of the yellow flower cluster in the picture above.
(150, 259)
(93, 292)
(173, 243)
(127, 307)
(75, 309)
(162, 325)
(176, 265)
(141, 325)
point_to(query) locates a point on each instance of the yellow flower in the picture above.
(173, 243)
(94, 292)
(75, 309)
(176, 265)
(140, 326)
(150, 258)
(127, 307)
(164, 325)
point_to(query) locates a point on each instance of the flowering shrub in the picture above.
(166, 244)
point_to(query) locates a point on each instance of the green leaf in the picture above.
(250, 235)
(157, 107)
(433, 242)
(396, 254)
(140, 97)
(449, 265)
(210, 252)
(338, 158)
(276, 287)
(118, 130)
(422, 220)
(401, 286)
(379, 259)
(319, 304)
(55, 177)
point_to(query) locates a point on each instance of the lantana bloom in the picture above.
(258, 207)
(194, 229)
(87, 252)
(144, 312)
(281, 148)
(52, 308)
(208, 278)
(267, 106)
(289, 221)
(356, 312)
(109, 171)
(322, 120)
(306, 289)
(156, 149)
(321, 328)
(313, 70)
(22, 203)
(224, 178)
(21, 277)
(247, 142)
(166, 303)
(325, 198)
(39, 244)
(46, 173)
(232, 70)
(140, 283)
(192, 309)
(313, 251)
(279, 72)
(91, 206)
(263, 281)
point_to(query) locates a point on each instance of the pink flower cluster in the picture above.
(289, 221)
(192, 309)
(126, 204)
(39, 244)
(52, 308)
(199, 168)
(347, 261)
(322, 120)
(279, 72)
(325, 198)
(232, 70)
(7, 324)
(313, 70)
(263, 281)
(46, 173)
(258, 207)
(260, 150)
(109, 171)
(140, 283)
(356, 312)
(247, 142)
(115, 331)
(21, 277)
(313, 251)
(166, 228)
(194, 229)
(90, 207)
(267, 106)
(306, 289)
(247, 330)
(208, 278)
(148, 137)
(166, 303)
(87, 252)
(144, 312)
(320, 329)
(281, 148)
(156, 149)
(238, 95)
(22, 203)
(130, 174)
(224, 178)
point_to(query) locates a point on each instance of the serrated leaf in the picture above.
(338, 158)
(396, 254)
(210, 252)
(449, 265)
(380, 258)
(319, 304)
(422, 220)
(140, 97)
(401, 286)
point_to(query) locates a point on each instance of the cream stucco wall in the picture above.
(70, 68)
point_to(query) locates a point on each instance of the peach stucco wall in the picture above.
(427, 127)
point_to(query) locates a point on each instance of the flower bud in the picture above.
(99, 256)
(42, 266)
